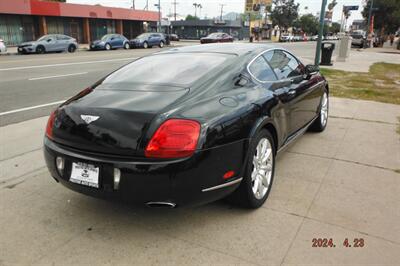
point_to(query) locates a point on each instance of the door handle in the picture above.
(292, 91)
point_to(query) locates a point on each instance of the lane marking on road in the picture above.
(30, 108)
(59, 76)
(68, 64)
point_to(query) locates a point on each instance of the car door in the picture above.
(119, 40)
(153, 39)
(62, 42)
(50, 43)
(267, 80)
(302, 93)
(114, 41)
(226, 37)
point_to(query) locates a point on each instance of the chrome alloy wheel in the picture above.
(262, 168)
(324, 109)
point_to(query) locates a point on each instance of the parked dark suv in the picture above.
(148, 40)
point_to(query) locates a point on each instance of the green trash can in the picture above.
(327, 51)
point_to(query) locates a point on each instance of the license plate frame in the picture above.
(85, 174)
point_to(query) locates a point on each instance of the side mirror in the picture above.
(311, 70)
(49, 40)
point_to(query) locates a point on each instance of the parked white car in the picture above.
(286, 38)
(3, 47)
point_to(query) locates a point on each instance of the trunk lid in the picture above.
(112, 121)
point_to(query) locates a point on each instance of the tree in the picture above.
(386, 15)
(190, 17)
(307, 23)
(284, 13)
(332, 5)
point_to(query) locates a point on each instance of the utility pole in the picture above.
(159, 16)
(147, 5)
(222, 9)
(175, 3)
(133, 4)
(321, 31)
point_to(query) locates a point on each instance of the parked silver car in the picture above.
(3, 47)
(49, 43)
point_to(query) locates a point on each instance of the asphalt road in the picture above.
(32, 85)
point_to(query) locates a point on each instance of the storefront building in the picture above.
(26, 20)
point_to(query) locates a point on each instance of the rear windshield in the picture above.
(175, 69)
(357, 36)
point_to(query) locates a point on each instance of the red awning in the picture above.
(43, 8)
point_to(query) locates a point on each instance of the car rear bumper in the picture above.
(191, 181)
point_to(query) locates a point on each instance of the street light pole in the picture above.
(320, 32)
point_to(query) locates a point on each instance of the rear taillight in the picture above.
(175, 138)
(50, 124)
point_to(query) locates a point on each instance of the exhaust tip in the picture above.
(161, 204)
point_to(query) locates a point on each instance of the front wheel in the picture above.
(108, 47)
(161, 44)
(320, 123)
(259, 173)
(145, 45)
(71, 48)
(40, 49)
(127, 46)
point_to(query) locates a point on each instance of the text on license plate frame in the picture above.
(85, 174)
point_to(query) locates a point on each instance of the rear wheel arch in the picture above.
(268, 124)
(271, 128)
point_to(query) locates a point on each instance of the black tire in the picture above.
(71, 48)
(161, 45)
(318, 125)
(244, 195)
(107, 47)
(127, 46)
(145, 45)
(40, 49)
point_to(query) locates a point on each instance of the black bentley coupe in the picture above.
(187, 126)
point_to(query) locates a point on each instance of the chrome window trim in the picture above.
(260, 54)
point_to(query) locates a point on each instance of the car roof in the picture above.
(224, 48)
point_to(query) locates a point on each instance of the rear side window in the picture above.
(284, 64)
(175, 68)
(260, 69)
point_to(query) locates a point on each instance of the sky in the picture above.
(212, 8)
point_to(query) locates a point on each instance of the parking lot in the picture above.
(341, 184)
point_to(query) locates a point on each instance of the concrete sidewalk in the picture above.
(360, 60)
(339, 184)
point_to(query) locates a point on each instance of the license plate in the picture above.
(85, 174)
